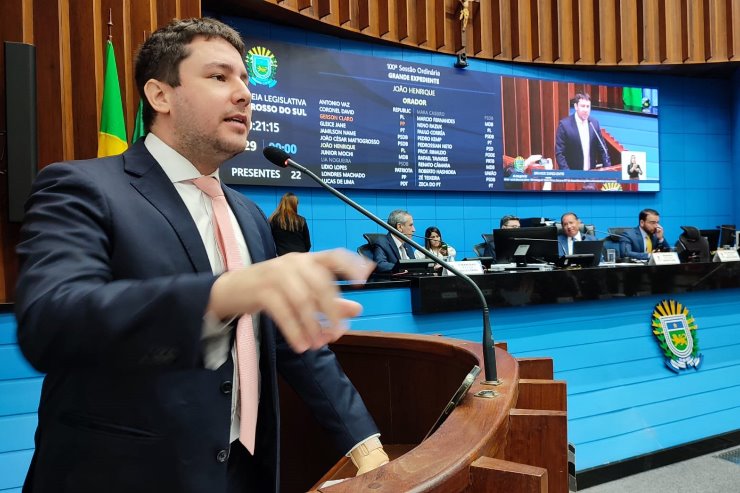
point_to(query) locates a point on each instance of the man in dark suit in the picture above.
(388, 249)
(578, 142)
(646, 238)
(122, 300)
(571, 232)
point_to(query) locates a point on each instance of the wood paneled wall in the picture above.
(587, 32)
(70, 37)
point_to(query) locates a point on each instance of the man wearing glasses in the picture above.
(507, 222)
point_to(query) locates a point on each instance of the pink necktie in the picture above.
(246, 349)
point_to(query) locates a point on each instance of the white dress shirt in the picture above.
(571, 239)
(400, 246)
(216, 334)
(583, 132)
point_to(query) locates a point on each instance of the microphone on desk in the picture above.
(622, 235)
(282, 159)
(618, 235)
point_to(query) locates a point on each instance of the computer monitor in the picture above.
(593, 247)
(726, 235)
(712, 236)
(542, 242)
(413, 267)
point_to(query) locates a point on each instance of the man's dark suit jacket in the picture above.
(113, 286)
(385, 253)
(633, 246)
(568, 149)
(563, 242)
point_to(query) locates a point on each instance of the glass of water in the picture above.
(611, 255)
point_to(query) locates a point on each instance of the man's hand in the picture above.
(659, 232)
(298, 291)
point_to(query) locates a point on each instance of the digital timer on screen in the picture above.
(371, 123)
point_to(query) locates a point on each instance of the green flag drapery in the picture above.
(139, 131)
(112, 135)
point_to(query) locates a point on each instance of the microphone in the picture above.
(606, 153)
(611, 235)
(282, 159)
(426, 238)
(618, 235)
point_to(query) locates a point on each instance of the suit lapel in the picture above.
(153, 184)
(248, 224)
(393, 248)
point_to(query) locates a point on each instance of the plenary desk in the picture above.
(430, 294)
(623, 402)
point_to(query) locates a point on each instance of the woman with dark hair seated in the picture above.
(433, 242)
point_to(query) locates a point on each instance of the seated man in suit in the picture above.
(578, 142)
(389, 249)
(507, 222)
(571, 232)
(646, 238)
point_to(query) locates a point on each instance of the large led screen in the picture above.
(372, 123)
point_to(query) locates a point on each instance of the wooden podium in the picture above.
(515, 442)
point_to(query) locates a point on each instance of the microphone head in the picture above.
(276, 156)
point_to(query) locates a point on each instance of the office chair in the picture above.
(366, 250)
(692, 246)
(488, 238)
(372, 238)
(616, 233)
(480, 249)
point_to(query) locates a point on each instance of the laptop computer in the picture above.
(594, 247)
(413, 267)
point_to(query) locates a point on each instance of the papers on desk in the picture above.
(467, 266)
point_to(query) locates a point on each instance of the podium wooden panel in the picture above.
(406, 381)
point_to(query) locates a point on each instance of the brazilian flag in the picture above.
(112, 135)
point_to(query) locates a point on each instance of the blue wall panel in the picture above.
(622, 400)
(13, 467)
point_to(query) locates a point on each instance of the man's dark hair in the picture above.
(159, 57)
(579, 96)
(644, 213)
(506, 219)
(568, 214)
